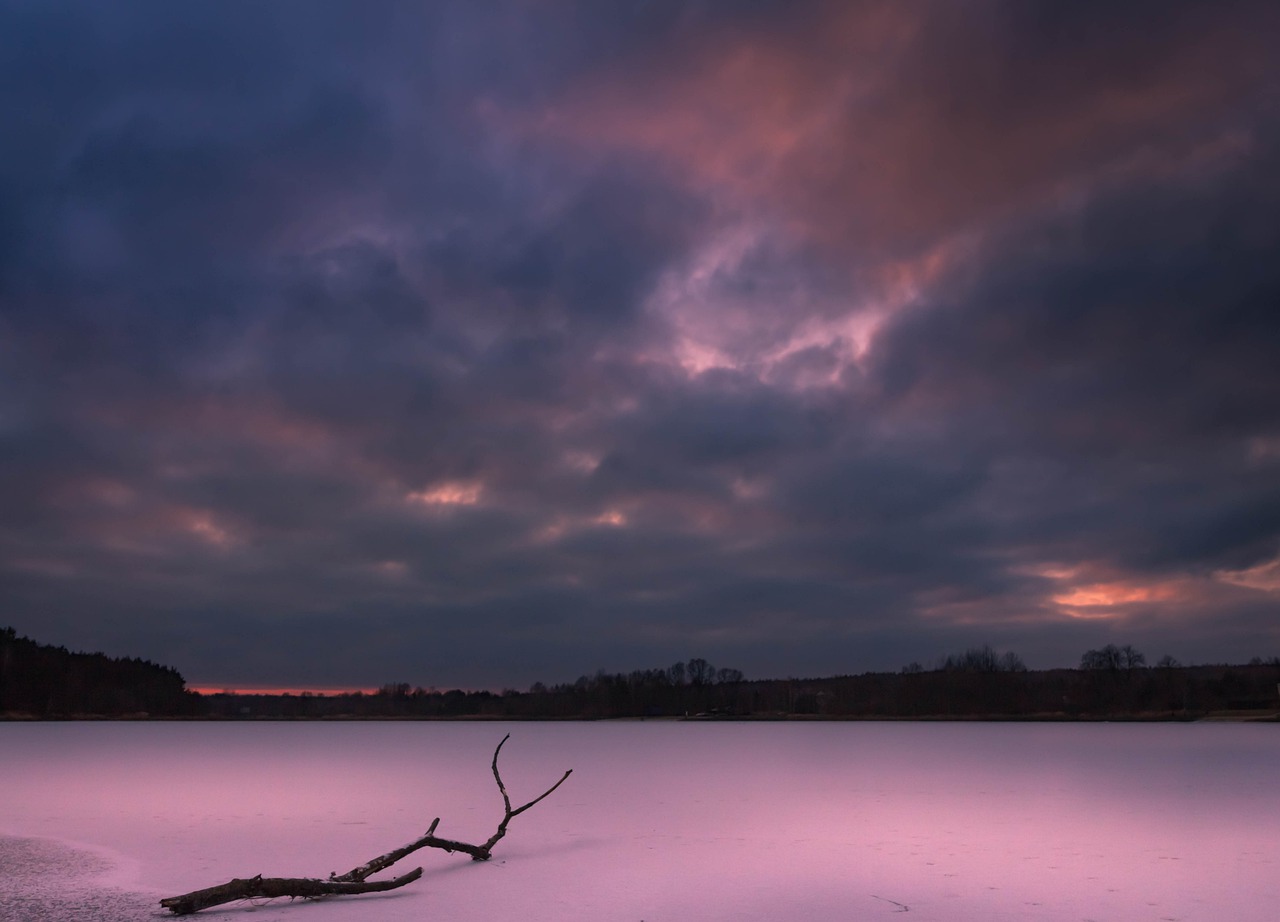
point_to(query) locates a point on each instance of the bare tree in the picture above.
(1112, 658)
(983, 659)
(1131, 658)
(701, 672)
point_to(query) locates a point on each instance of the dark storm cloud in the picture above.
(1131, 344)
(478, 344)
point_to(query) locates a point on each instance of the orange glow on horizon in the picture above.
(319, 692)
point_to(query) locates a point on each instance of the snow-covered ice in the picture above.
(660, 820)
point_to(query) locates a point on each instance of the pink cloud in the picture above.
(849, 127)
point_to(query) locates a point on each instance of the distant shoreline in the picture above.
(41, 682)
(1211, 717)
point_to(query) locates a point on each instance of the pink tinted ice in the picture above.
(667, 820)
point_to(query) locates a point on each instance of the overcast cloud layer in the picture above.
(474, 344)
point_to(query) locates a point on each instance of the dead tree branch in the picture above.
(270, 887)
(354, 881)
(508, 814)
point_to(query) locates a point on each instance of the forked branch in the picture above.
(354, 881)
(508, 813)
(431, 840)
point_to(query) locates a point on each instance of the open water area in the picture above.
(661, 820)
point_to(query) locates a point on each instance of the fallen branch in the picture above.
(354, 881)
(270, 887)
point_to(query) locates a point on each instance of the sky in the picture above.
(477, 344)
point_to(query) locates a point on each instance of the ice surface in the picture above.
(664, 820)
(43, 879)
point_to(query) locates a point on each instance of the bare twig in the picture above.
(354, 881)
(506, 801)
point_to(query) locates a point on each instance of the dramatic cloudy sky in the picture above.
(481, 343)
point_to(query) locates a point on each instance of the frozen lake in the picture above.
(660, 820)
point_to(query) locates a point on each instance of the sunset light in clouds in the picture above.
(447, 494)
(479, 344)
(1103, 600)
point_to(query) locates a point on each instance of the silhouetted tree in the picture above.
(1113, 658)
(700, 672)
(983, 659)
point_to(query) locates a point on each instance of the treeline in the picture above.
(1112, 682)
(37, 680)
(685, 688)
(1177, 692)
(391, 701)
(978, 683)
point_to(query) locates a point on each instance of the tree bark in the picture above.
(270, 887)
(354, 881)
